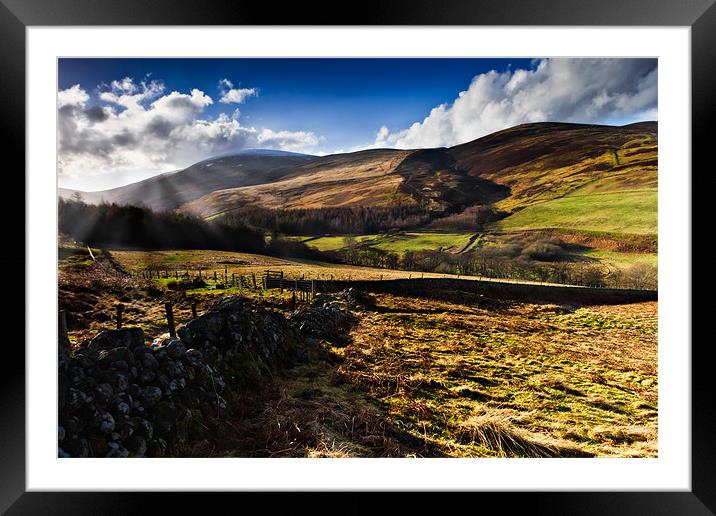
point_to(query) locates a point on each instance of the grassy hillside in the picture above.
(377, 178)
(510, 169)
(633, 211)
(545, 161)
(364, 178)
(171, 190)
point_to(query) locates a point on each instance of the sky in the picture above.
(123, 120)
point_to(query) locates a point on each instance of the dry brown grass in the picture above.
(425, 378)
(246, 263)
(365, 181)
(421, 377)
(497, 432)
(525, 380)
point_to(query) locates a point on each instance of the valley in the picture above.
(587, 189)
(492, 299)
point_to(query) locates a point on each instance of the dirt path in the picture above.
(469, 243)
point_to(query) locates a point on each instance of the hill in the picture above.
(526, 166)
(171, 190)
(513, 168)
(430, 178)
(544, 161)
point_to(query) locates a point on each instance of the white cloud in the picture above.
(238, 95)
(288, 140)
(132, 128)
(128, 95)
(125, 85)
(73, 96)
(565, 90)
(231, 95)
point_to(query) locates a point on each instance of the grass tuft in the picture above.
(498, 434)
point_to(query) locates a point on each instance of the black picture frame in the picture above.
(16, 15)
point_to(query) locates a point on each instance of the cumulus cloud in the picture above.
(138, 127)
(231, 95)
(565, 90)
(73, 96)
(288, 140)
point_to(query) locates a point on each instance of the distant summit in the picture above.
(260, 152)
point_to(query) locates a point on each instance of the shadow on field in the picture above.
(494, 293)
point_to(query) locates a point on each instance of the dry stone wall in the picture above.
(119, 397)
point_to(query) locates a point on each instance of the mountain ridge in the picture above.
(511, 169)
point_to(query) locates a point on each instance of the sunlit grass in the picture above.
(622, 260)
(620, 212)
(525, 381)
(396, 242)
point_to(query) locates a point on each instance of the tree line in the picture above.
(543, 261)
(131, 226)
(342, 220)
(547, 260)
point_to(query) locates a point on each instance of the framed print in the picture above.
(421, 249)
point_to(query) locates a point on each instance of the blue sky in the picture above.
(345, 100)
(126, 119)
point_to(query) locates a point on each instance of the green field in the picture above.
(398, 242)
(622, 260)
(456, 242)
(632, 211)
(333, 243)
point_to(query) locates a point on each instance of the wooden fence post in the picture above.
(313, 290)
(170, 319)
(253, 278)
(120, 309)
(62, 323)
(193, 310)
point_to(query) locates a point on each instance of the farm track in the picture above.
(469, 243)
